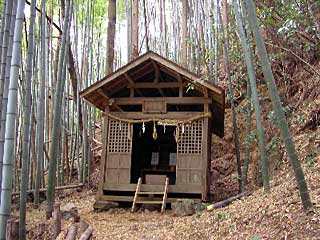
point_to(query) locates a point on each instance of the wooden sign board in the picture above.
(154, 107)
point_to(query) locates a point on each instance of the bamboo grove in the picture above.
(52, 49)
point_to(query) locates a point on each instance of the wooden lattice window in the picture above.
(118, 139)
(190, 141)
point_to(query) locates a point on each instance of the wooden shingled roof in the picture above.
(142, 67)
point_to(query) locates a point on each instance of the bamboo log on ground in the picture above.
(226, 202)
(57, 188)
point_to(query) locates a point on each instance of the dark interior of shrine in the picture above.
(153, 157)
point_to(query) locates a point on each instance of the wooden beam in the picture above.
(129, 198)
(168, 115)
(155, 85)
(129, 79)
(131, 82)
(102, 94)
(157, 77)
(181, 85)
(106, 101)
(169, 72)
(156, 69)
(196, 188)
(169, 100)
(115, 106)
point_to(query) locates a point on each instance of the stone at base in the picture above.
(100, 205)
(183, 207)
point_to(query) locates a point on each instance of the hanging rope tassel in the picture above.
(176, 135)
(129, 132)
(154, 134)
(143, 127)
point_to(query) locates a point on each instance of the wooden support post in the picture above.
(104, 138)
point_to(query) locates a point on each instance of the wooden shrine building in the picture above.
(158, 122)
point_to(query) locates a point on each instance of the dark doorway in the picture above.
(153, 158)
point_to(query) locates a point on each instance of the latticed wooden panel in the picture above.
(118, 140)
(190, 141)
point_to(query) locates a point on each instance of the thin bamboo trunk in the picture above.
(277, 106)
(233, 108)
(40, 107)
(4, 88)
(4, 48)
(56, 117)
(6, 189)
(255, 98)
(27, 125)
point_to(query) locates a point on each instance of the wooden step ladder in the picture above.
(138, 193)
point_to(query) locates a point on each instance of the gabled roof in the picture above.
(144, 65)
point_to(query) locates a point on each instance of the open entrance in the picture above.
(153, 158)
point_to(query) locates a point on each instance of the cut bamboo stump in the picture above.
(42, 230)
(57, 219)
(87, 234)
(72, 232)
(12, 229)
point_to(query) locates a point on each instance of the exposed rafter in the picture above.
(131, 82)
(157, 76)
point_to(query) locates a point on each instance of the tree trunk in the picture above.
(135, 29)
(4, 48)
(225, 23)
(255, 98)
(40, 107)
(27, 125)
(57, 116)
(129, 23)
(2, 33)
(5, 76)
(112, 18)
(6, 186)
(184, 58)
(277, 106)
(233, 108)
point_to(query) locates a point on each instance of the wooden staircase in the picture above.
(138, 193)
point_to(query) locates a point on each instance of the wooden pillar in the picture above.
(103, 153)
(206, 145)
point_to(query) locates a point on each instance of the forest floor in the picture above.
(277, 215)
